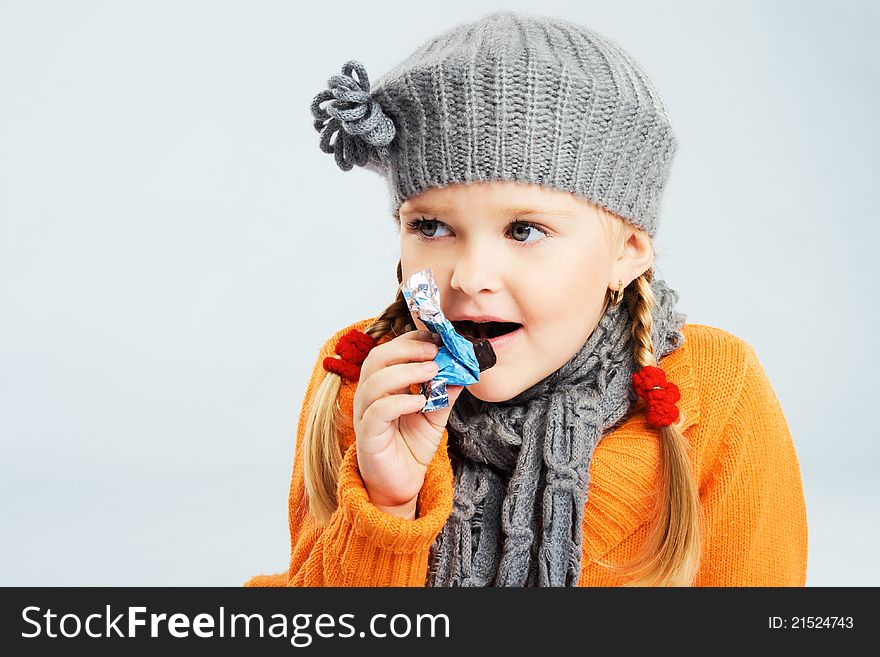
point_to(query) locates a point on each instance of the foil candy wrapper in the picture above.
(457, 358)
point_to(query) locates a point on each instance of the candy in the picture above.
(459, 359)
(483, 351)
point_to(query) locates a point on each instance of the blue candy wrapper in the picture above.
(456, 360)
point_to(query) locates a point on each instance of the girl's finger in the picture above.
(410, 347)
(392, 380)
(383, 412)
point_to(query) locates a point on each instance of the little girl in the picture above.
(612, 443)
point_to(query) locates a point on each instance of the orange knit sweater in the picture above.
(747, 471)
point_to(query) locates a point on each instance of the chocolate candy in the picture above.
(460, 359)
(483, 351)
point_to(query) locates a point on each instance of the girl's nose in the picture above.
(474, 271)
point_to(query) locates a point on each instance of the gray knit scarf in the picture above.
(521, 467)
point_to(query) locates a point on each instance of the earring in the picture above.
(617, 295)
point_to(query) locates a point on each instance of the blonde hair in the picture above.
(671, 553)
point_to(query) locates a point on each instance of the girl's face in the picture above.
(522, 253)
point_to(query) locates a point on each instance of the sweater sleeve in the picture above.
(753, 498)
(359, 545)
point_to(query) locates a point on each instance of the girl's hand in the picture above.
(394, 440)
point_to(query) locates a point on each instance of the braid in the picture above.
(640, 305)
(671, 553)
(396, 318)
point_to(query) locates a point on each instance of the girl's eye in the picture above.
(419, 227)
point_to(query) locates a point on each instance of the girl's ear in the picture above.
(636, 256)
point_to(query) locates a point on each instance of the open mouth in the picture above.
(486, 330)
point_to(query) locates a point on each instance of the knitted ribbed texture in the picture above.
(515, 97)
(743, 456)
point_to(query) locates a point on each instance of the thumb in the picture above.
(441, 416)
(453, 393)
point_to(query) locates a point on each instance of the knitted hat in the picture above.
(513, 97)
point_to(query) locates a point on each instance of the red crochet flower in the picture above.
(352, 348)
(661, 395)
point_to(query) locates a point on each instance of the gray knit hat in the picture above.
(511, 96)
